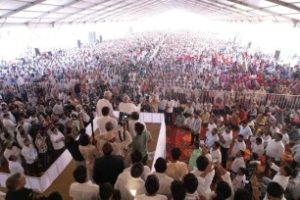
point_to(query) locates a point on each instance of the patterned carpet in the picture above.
(177, 137)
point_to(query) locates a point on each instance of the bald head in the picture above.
(126, 98)
(107, 95)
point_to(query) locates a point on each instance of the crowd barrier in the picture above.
(245, 98)
(41, 184)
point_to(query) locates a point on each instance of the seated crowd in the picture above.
(242, 149)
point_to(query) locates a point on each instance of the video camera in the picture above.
(123, 118)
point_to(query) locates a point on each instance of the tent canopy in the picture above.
(52, 12)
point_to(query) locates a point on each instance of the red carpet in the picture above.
(177, 137)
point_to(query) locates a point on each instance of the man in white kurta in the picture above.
(105, 102)
(101, 121)
(127, 107)
(275, 148)
(83, 189)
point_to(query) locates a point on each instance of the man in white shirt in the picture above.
(164, 180)
(225, 176)
(274, 129)
(275, 148)
(12, 150)
(225, 142)
(105, 102)
(151, 187)
(285, 138)
(205, 174)
(215, 153)
(57, 139)
(162, 105)
(210, 127)
(282, 177)
(101, 121)
(258, 147)
(134, 118)
(30, 155)
(239, 145)
(239, 180)
(195, 129)
(189, 110)
(211, 138)
(238, 162)
(58, 108)
(169, 111)
(21, 136)
(14, 165)
(274, 191)
(191, 184)
(245, 130)
(130, 183)
(9, 125)
(25, 124)
(176, 169)
(137, 157)
(127, 107)
(83, 189)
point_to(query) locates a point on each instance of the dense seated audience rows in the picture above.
(46, 102)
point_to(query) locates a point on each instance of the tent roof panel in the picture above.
(16, 20)
(291, 1)
(3, 12)
(55, 15)
(65, 11)
(261, 3)
(57, 2)
(26, 14)
(41, 8)
(82, 4)
(68, 10)
(281, 10)
(10, 4)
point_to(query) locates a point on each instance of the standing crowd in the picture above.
(242, 149)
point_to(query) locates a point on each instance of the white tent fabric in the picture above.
(26, 12)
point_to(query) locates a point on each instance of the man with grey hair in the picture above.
(127, 106)
(105, 102)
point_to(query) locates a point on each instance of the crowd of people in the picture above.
(47, 100)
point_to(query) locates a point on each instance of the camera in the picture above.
(123, 118)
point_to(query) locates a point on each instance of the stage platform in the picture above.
(41, 184)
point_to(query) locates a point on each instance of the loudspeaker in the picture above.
(249, 45)
(234, 39)
(92, 37)
(37, 51)
(277, 54)
(78, 43)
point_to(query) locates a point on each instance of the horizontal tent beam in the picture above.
(285, 4)
(233, 8)
(208, 9)
(222, 9)
(263, 10)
